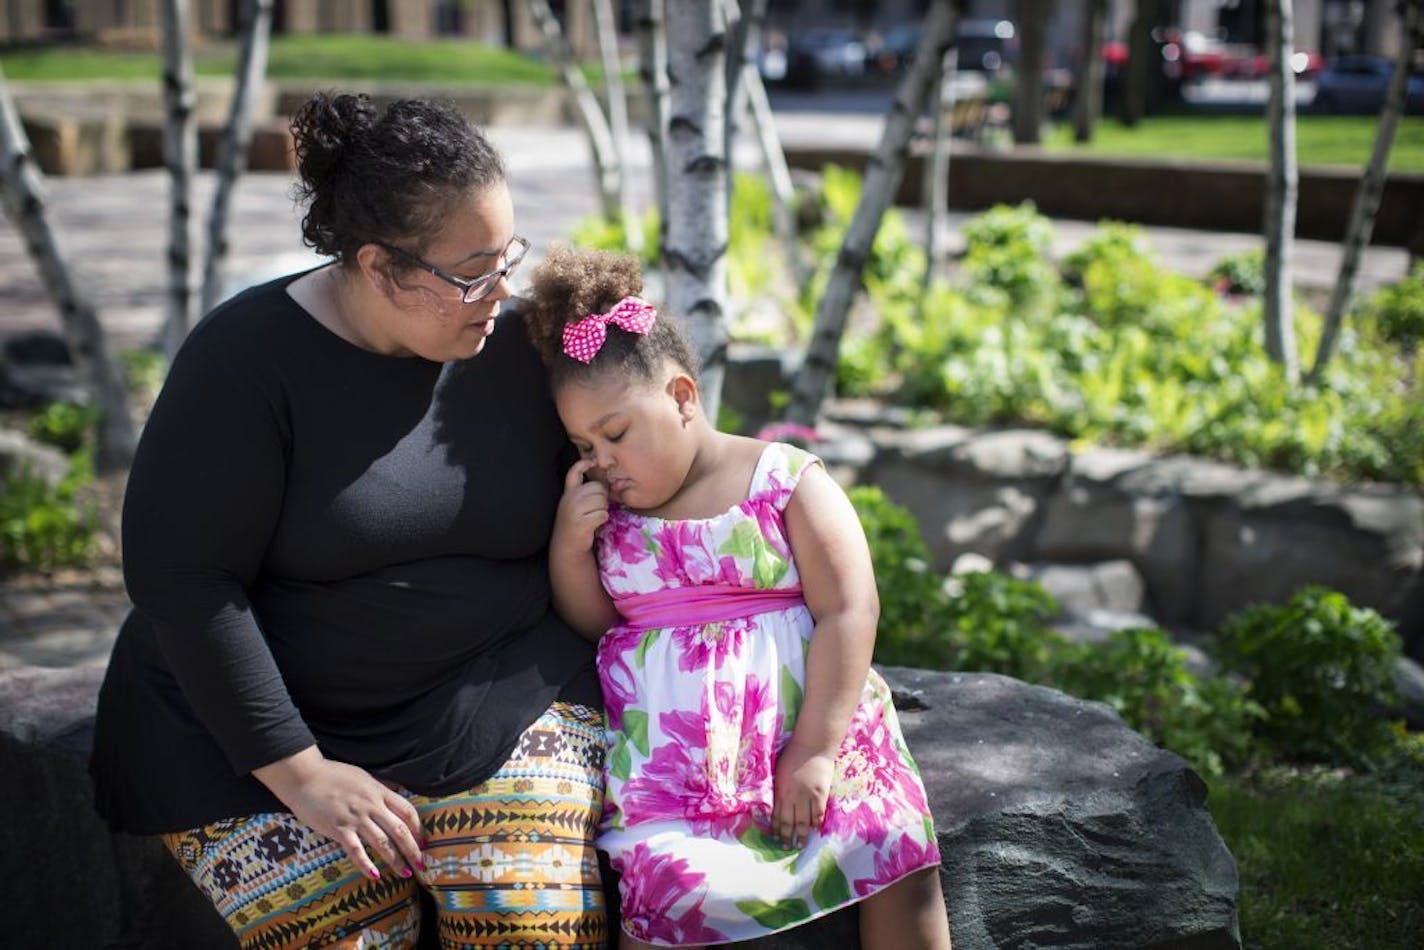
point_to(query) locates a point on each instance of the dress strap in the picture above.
(779, 470)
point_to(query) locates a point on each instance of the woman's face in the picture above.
(636, 432)
(435, 322)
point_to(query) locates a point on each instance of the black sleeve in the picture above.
(203, 497)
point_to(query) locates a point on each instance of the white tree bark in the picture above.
(883, 173)
(1282, 185)
(606, 167)
(695, 254)
(1367, 195)
(653, 68)
(1088, 105)
(936, 184)
(237, 138)
(21, 189)
(607, 31)
(180, 154)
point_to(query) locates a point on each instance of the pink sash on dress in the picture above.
(705, 603)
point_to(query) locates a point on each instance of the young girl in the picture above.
(756, 775)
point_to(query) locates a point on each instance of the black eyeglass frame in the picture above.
(475, 288)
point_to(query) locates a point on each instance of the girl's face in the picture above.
(639, 434)
(435, 322)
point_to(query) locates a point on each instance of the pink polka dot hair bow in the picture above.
(584, 338)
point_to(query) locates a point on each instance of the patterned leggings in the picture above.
(510, 862)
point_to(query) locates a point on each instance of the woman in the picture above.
(342, 679)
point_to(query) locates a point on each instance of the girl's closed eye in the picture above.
(618, 437)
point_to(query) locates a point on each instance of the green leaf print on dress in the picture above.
(635, 726)
(776, 915)
(620, 763)
(831, 888)
(746, 542)
(791, 696)
(767, 847)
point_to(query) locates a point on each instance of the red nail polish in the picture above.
(375, 875)
(405, 872)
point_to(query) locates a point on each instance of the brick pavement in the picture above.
(114, 230)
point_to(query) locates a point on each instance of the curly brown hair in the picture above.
(571, 283)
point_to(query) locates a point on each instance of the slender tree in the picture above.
(695, 252)
(653, 69)
(1032, 17)
(607, 165)
(1088, 105)
(180, 154)
(883, 172)
(1281, 190)
(747, 95)
(1371, 187)
(21, 189)
(1133, 99)
(236, 140)
(607, 32)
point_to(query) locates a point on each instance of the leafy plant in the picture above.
(143, 369)
(1399, 309)
(45, 526)
(1008, 249)
(1322, 669)
(65, 425)
(1144, 677)
(999, 624)
(1242, 274)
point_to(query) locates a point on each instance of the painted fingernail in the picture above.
(420, 864)
(375, 875)
(405, 872)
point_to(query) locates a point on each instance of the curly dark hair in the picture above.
(570, 284)
(389, 177)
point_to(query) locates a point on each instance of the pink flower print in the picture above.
(620, 686)
(673, 783)
(866, 793)
(729, 573)
(685, 554)
(772, 527)
(656, 889)
(709, 644)
(904, 857)
(623, 541)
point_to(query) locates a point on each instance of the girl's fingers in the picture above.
(574, 477)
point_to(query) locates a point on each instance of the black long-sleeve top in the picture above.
(324, 544)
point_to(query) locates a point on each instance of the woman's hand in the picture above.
(802, 785)
(582, 509)
(349, 806)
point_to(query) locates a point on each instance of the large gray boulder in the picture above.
(1059, 827)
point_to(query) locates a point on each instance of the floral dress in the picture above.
(702, 683)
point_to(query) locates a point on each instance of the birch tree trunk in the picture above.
(23, 195)
(606, 168)
(1281, 189)
(883, 173)
(1371, 187)
(1088, 107)
(180, 154)
(607, 32)
(936, 185)
(653, 68)
(237, 138)
(1032, 16)
(695, 255)
(1139, 55)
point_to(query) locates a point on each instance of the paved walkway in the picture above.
(114, 230)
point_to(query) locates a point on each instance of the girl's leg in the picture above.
(908, 914)
(626, 942)
(280, 885)
(511, 862)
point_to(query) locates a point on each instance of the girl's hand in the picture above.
(802, 785)
(582, 509)
(349, 806)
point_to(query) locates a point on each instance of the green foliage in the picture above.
(600, 234)
(44, 526)
(1321, 669)
(999, 624)
(1243, 273)
(143, 369)
(913, 607)
(1327, 858)
(1144, 677)
(66, 426)
(1009, 250)
(1399, 309)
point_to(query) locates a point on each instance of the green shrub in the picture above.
(44, 526)
(65, 425)
(913, 611)
(1399, 309)
(1243, 274)
(1144, 677)
(999, 624)
(143, 369)
(1008, 249)
(1322, 669)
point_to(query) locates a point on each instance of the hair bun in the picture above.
(325, 130)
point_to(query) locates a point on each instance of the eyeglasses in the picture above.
(478, 287)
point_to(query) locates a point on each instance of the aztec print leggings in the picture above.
(510, 863)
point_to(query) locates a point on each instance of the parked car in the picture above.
(1358, 84)
(823, 53)
(985, 46)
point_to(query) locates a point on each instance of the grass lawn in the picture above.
(300, 57)
(1320, 139)
(1326, 861)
